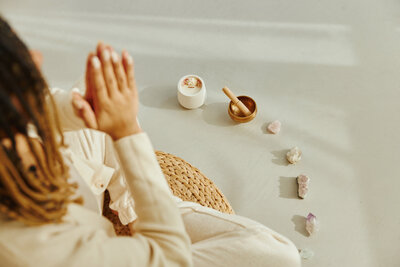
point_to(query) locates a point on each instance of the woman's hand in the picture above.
(111, 102)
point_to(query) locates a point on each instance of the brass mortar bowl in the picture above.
(237, 115)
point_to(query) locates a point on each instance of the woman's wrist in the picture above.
(127, 131)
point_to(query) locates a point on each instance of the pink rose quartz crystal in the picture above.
(274, 127)
(302, 182)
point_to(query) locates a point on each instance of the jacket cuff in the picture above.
(63, 102)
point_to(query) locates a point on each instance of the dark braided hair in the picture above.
(40, 195)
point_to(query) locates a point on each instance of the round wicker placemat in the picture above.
(189, 184)
(186, 182)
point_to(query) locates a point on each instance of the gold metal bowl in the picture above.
(237, 115)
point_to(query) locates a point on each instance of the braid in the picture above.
(43, 196)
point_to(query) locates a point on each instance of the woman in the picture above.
(40, 222)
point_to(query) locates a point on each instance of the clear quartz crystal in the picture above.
(294, 155)
(306, 253)
(274, 127)
(312, 225)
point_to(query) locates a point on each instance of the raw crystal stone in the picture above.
(306, 253)
(312, 225)
(302, 181)
(294, 155)
(274, 127)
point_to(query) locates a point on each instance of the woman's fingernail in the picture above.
(96, 62)
(105, 54)
(114, 57)
(129, 58)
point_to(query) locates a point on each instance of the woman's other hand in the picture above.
(37, 58)
(111, 103)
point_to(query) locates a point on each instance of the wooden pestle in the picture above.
(236, 101)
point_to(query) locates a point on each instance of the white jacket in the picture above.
(85, 238)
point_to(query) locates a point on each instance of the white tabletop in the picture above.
(328, 70)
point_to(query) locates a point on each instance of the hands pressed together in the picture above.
(110, 103)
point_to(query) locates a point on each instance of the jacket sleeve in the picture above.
(160, 229)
